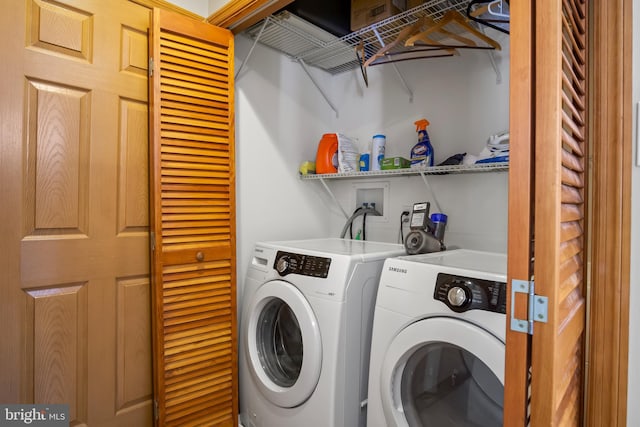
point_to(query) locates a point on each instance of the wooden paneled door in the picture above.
(549, 96)
(193, 221)
(74, 282)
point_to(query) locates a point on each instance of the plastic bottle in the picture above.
(364, 162)
(439, 223)
(377, 151)
(422, 153)
(327, 154)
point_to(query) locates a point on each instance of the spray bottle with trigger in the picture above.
(422, 152)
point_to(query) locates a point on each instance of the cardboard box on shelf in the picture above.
(367, 12)
(413, 3)
(394, 163)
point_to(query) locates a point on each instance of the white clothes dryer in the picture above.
(305, 333)
(437, 351)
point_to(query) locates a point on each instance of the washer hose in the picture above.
(357, 213)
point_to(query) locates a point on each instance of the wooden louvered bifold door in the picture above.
(193, 203)
(520, 230)
(559, 234)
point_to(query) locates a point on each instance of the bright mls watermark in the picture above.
(34, 415)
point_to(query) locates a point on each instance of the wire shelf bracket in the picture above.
(333, 197)
(431, 192)
(395, 67)
(315, 83)
(253, 46)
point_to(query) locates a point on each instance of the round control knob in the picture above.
(457, 296)
(282, 265)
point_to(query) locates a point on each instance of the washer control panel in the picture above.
(462, 293)
(306, 265)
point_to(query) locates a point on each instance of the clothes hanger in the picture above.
(431, 24)
(499, 12)
(402, 35)
(478, 11)
(486, 9)
(385, 56)
(454, 18)
(415, 53)
(360, 53)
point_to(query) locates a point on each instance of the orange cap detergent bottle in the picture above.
(422, 153)
(327, 154)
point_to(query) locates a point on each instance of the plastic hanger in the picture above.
(450, 18)
(495, 9)
(488, 8)
(499, 12)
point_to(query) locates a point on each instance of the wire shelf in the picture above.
(303, 41)
(434, 170)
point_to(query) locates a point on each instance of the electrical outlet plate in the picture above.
(372, 192)
(406, 208)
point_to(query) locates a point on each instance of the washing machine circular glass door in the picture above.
(443, 372)
(284, 345)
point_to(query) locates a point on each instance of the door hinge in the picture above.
(155, 409)
(152, 240)
(150, 67)
(538, 306)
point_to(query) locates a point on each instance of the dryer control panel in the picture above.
(306, 265)
(461, 293)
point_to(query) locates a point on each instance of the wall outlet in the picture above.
(408, 209)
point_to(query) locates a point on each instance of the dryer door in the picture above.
(284, 345)
(442, 372)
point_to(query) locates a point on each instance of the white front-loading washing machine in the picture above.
(437, 351)
(305, 333)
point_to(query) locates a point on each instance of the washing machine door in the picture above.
(442, 372)
(284, 344)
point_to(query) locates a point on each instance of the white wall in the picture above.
(279, 120)
(201, 7)
(215, 5)
(280, 117)
(633, 415)
(465, 105)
